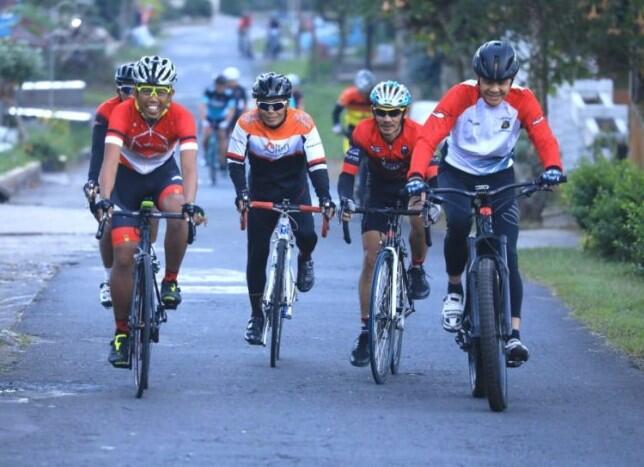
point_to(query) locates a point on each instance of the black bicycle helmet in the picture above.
(495, 60)
(124, 74)
(272, 85)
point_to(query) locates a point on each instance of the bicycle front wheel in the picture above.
(381, 323)
(403, 304)
(277, 295)
(491, 343)
(140, 316)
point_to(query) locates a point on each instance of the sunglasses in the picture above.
(276, 106)
(126, 89)
(393, 113)
(150, 91)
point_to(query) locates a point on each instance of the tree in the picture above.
(18, 63)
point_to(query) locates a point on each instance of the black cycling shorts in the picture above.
(380, 194)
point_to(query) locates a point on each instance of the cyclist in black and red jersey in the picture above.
(124, 89)
(142, 136)
(386, 141)
(482, 119)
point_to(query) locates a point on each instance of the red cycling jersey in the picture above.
(104, 110)
(387, 161)
(146, 147)
(482, 137)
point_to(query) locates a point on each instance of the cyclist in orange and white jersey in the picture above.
(143, 134)
(282, 146)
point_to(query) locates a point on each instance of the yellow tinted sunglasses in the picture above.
(150, 91)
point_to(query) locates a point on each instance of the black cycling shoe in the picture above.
(254, 330)
(119, 355)
(419, 287)
(170, 294)
(305, 275)
(360, 352)
(516, 353)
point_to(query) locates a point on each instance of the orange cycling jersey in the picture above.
(356, 104)
(146, 147)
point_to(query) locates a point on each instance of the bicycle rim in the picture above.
(276, 303)
(398, 326)
(141, 335)
(381, 326)
(491, 347)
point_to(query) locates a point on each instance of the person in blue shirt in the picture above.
(217, 113)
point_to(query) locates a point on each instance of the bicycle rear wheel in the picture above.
(211, 157)
(403, 304)
(140, 315)
(381, 324)
(277, 295)
(491, 343)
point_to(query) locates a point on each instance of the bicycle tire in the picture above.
(276, 305)
(139, 332)
(398, 328)
(211, 157)
(477, 381)
(380, 322)
(491, 343)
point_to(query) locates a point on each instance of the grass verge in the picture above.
(607, 296)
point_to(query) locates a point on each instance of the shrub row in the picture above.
(607, 199)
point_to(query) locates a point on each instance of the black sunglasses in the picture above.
(266, 106)
(393, 113)
(126, 89)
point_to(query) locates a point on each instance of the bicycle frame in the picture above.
(288, 295)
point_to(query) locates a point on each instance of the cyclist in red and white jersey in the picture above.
(386, 141)
(142, 136)
(124, 89)
(481, 120)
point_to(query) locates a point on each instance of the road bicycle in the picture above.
(147, 311)
(487, 321)
(390, 303)
(280, 292)
(212, 156)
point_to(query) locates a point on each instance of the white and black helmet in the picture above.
(272, 85)
(124, 74)
(364, 81)
(390, 94)
(153, 69)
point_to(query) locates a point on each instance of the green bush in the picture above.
(606, 198)
(198, 8)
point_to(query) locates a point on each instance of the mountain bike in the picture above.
(390, 302)
(147, 311)
(487, 321)
(280, 292)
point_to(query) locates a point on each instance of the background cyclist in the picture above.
(124, 89)
(386, 141)
(239, 96)
(216, 113)
(297, 98)
(142, 136)
(282, 146)
(482, 119)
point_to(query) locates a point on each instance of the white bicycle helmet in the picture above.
(153, 69)
(294, 79)
(390, 94)
(364, 81)
(231, 73)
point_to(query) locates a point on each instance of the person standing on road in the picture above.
(139, 164)
(386, 140)
(124, 89)
(282, 145)
(481, 120)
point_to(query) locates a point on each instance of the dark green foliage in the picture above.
(607, 199)
(198, 8)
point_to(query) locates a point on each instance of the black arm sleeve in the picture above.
(345, 185)
(98, 147)
(336, 113)
(320, 181)
(238, 176)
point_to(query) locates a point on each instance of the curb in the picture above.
(19, 178)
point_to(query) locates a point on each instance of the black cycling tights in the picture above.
(459, 222)
(261, 224)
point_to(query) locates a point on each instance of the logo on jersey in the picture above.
(393, 165)
(404, 150)
(375, 149)
(276, 149)
(353, 156)
(506, 124)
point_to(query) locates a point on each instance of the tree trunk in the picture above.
(342, 44)
(369, 33)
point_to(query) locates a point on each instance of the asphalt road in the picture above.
(214, 400)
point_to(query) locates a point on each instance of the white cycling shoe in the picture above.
(105, 294)
(453, 307)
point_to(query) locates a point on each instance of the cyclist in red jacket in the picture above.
(481, 120)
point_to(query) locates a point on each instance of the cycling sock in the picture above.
(515, 334)
(122, 327)
(171, 276)
(108, 273)
(455, 288)
(417, 262)
(365, 324)
(256, 305)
